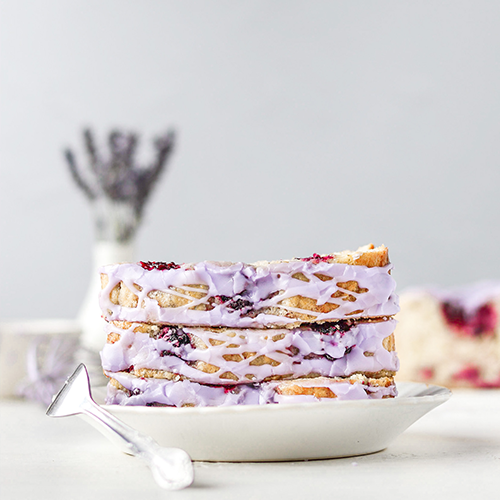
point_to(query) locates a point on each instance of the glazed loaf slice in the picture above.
(125, 389)
(261, 295)
(229, 356)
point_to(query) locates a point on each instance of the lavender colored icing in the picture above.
(154, 391)
(339, 353)
(255, 285)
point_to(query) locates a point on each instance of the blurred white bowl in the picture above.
(36, 356)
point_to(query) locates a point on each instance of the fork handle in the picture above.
(172, 467)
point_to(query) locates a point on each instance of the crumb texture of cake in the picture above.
(220, 333)
(451, 336)
(261, 295)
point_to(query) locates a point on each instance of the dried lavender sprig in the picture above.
(118, 180)
(91, 150)
(70, 158)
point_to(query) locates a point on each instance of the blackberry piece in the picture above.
(331, 328)
(176, 336)
(160, 266)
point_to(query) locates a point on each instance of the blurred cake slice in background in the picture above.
(451, 336)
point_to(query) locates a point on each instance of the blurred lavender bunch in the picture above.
(115, 184)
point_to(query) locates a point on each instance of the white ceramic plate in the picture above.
(285, 431)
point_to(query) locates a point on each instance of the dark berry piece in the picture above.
(135, 392)
(166, 331)
(176, 336)
(237, 304)
(221, 299)
(341, 326)
(160, 266)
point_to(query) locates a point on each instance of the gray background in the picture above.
(302, 127)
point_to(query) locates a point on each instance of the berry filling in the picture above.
(472, 375)
(235, 303)
(160, 266)
(480, 322)
(221, 299)
(176, 336)
(332, 328)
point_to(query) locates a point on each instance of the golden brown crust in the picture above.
(389, 343)
(367, 255)
(319, 387)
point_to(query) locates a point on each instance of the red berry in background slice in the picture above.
(469, 374)
(454, 314)
(426, 373)
(482, 321)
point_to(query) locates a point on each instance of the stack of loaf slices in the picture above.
(219, 333)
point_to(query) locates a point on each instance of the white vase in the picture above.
(93, 338)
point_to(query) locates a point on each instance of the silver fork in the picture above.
(171, 467)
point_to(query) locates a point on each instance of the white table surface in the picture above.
(452, 452)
